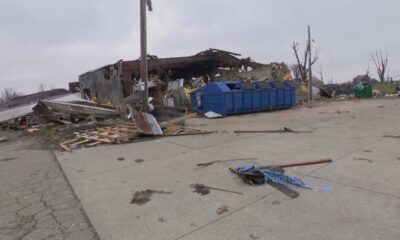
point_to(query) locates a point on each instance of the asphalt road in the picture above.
(36, 201)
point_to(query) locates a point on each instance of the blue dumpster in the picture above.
(228, 98)
(268, 95)
(251, 97)
(293, 87)
(280, 94)
(216, 97)
(234, 98)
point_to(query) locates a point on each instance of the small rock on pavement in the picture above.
(222, 209)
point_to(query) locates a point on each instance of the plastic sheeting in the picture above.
(274, 176)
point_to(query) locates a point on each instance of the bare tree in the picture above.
(7, 95)
(295, 70)
(302, 61)
(42, 87)
(381, 63)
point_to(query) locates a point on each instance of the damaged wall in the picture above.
(105, 84)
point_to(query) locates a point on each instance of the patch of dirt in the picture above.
(200, 189)
(142, 197)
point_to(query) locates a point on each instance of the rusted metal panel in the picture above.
(147, 124)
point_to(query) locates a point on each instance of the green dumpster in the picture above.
(363, 90)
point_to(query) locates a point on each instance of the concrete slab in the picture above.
(343, 131)
(377, 170)
(344, 213)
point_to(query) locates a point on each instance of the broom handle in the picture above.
(299, 164)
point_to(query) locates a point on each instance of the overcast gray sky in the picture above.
(53, 41)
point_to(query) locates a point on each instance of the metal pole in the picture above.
(309, 67)
(143, 47)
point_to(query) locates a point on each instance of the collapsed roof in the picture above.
(200, 64)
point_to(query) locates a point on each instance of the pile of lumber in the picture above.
(122, 133)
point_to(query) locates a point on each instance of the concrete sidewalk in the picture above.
(364, 202)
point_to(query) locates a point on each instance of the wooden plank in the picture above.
(63, 146)
(93, 144)
(79, 143)
(97, 139)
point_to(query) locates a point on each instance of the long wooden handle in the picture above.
(299, 164)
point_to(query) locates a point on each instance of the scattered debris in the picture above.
(3, 139)
(223, 209)
(274, 174)
(32, 130)
(122, 133)
(177, 120)
(147, 124)
(206, 164)
(391, 136)
(284, 130)
(121, 159)
(284, 189)
(73, 111)
(139, 160)
(204, 190)
(364, 159)
(113, 134)
(213, 115)
(142, 197)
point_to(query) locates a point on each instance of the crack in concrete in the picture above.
(41, 204)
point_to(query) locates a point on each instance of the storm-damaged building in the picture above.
(114, 82)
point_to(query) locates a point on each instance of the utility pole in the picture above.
(309, 67)
(143, 47)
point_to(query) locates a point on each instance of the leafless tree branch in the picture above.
(303, 66)
(381, 63)
(7, 95)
